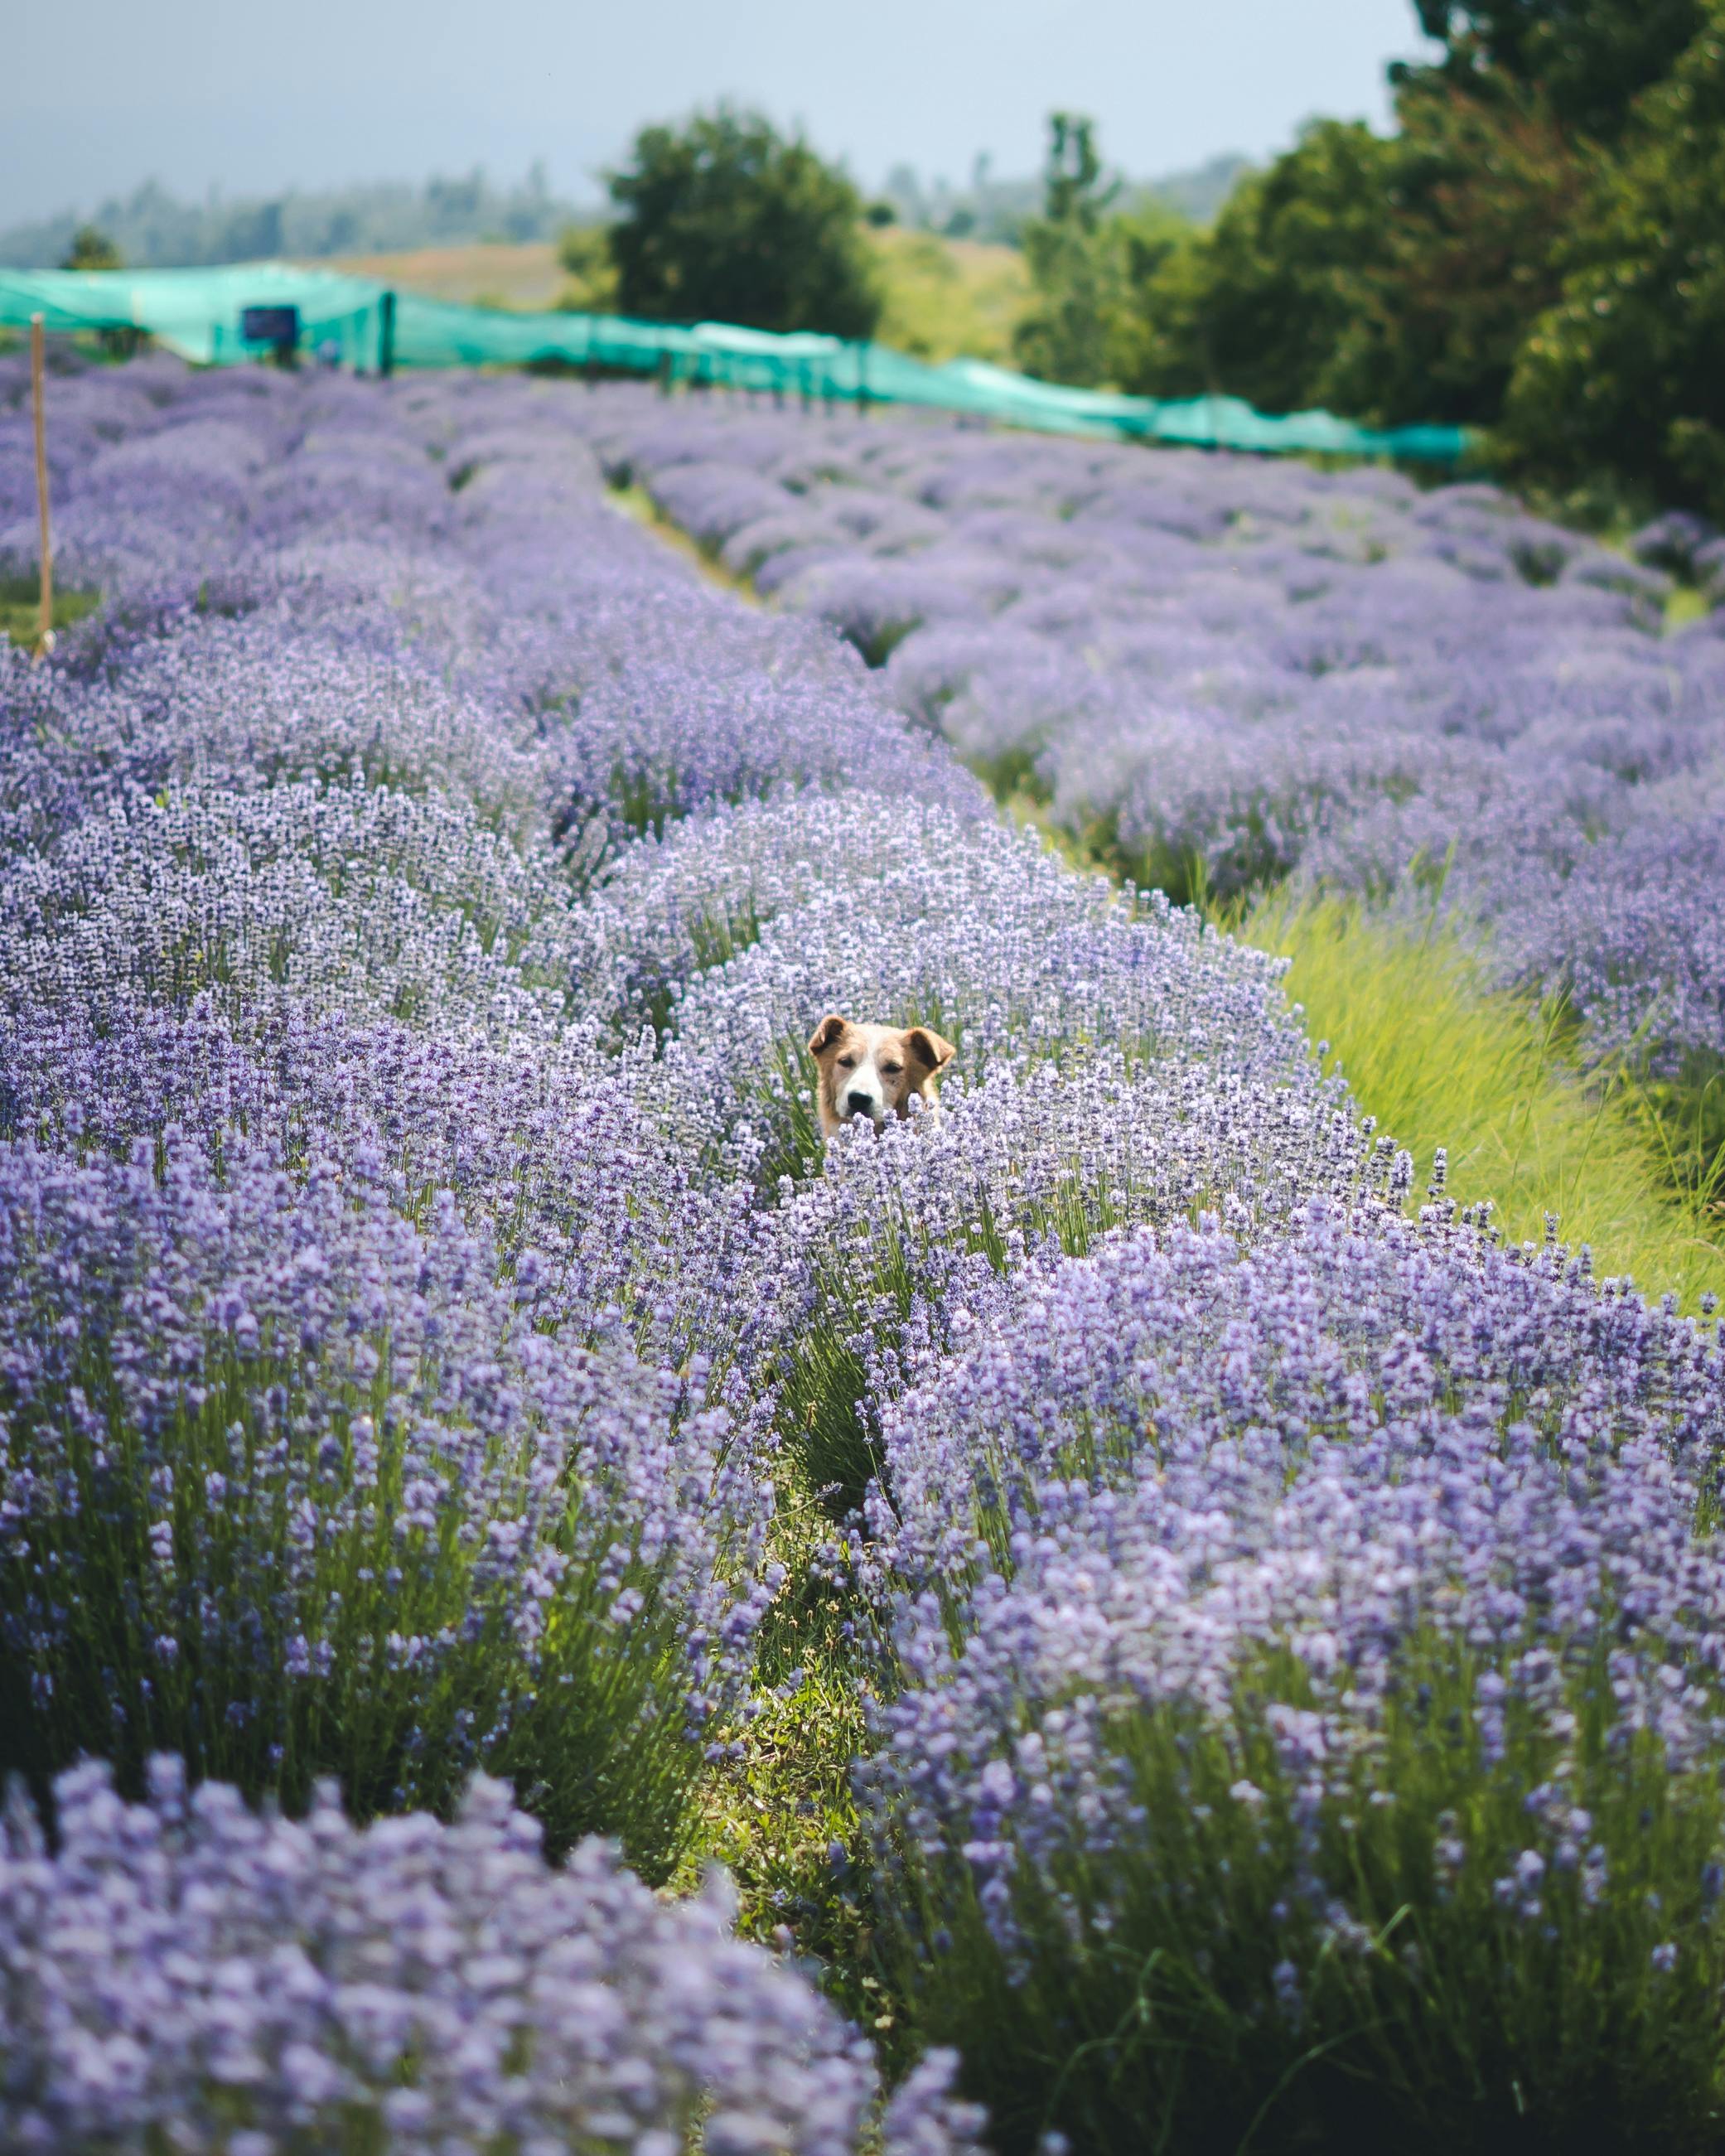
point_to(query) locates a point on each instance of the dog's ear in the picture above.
(929, 1049)
(828, 1033)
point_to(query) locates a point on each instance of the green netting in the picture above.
(361, 324)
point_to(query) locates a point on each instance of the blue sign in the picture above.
(276, 326)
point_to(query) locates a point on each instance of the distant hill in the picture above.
(153, 229)
(1199, 193)
(995, 209)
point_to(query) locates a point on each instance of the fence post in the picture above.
(862, 375)
(45, 619)
(386, 335)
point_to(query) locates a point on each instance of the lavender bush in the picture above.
(294, 1488)
(186, 1973)
(1312, 1714)
(433, 1341)
(1229, 672)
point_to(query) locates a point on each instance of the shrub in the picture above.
(186, 1973)
(1311, 1718)
(292, 1489)
(724, 220)
(1619, 376)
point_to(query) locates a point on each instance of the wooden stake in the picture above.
(44, 636)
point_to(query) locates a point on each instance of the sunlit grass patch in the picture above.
(634, 501)
(1687, 603)
(1443, 1059)
(21, 608)
(778, 1810)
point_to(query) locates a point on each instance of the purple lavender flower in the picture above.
(188, 1968)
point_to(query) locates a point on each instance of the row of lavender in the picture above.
(1237, 669)
(372, 1386)
(420, 1297)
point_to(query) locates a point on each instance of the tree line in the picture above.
(154, 228)
(1537, 249)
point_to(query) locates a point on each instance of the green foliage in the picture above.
(1622, 374)
(1538, 244)
(584, 251)
(1591, 58)
(1394, 279)
(724, 220)
(20, 607)
(1257, 306)
(946, 299)
(91, 249)
(1073, 260)
(1482, 188)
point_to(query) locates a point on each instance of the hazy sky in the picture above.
(102, 94)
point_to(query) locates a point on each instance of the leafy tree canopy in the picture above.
(91, 249)
(1482, 187)
(1258, 304)
(1073, 261)
(725, 220)
(1590, 58)
(1624, 373)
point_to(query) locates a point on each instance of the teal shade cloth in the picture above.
(196, 313)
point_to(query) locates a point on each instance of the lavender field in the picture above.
(1232, 671)
(1231, 1651)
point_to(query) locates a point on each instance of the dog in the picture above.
(873, 1070)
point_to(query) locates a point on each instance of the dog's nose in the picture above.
(860, 1104)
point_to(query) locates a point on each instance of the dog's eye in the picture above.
(892, 1069)
(847, 1063)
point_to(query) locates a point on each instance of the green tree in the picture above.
(1258, 304)
(1481, 197)
(1073, 258)
(1624, 374)
(584, 250)
(1589, 58)
(725, 220)
(91, 249)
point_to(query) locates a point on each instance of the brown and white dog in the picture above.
(872, 1070)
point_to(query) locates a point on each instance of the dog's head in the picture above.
(873, 1070)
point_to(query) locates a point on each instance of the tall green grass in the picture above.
(20, 607)
(1443, 1059)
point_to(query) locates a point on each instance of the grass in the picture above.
(486, 273)
(635, 502)
(949, 298)
(779, 1813)
(20, 609)
(944, 299)
(1442, 1059)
